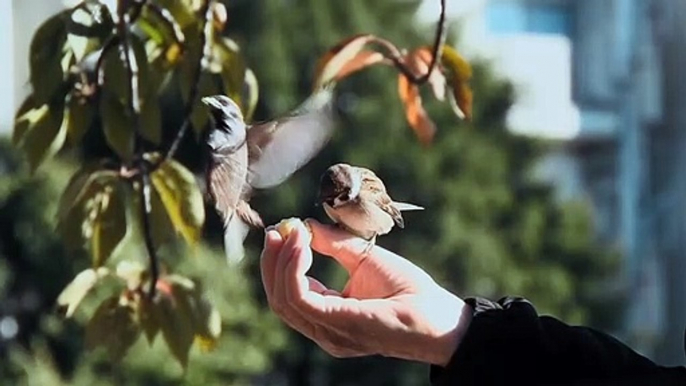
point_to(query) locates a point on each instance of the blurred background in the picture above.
(568, 187)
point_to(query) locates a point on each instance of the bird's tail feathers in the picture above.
(235, 232)
(403, 206)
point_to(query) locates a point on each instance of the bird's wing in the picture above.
(384, 202)
(277, 149)
(226, 182)
(374, 187)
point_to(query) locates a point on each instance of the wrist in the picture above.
(450, 319)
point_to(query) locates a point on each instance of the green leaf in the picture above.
(209, 84)
(45, 58)
(27, 115)
(117, 125)
(160, 223)
(112, 326)
(231, 66)
(116, 79)
(40, 132)
(194, 317)
(251, 94)
(109, 225)
(182, 199)
(459, 73)
(148, 318)
(177, 326)
(72, 295)
(92, 212)
(81, 114)
(208, 323)
(151, 121)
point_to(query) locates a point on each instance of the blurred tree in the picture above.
(47, 350)
(490, 229)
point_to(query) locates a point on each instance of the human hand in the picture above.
(389, 306)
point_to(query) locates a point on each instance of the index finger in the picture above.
(347, 249)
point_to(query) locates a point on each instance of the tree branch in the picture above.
(134, 108)
(195, 83)
(146, 212)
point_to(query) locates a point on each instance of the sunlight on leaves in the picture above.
(334, 61)
(182, 199)
(72, 295)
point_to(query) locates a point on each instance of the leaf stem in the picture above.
(195, 83)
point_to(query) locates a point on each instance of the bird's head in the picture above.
(228, 129)
(339, 184)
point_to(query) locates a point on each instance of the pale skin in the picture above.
(388, 307)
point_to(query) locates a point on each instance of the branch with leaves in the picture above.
(441, 66)
(98, 70)
(91, 62)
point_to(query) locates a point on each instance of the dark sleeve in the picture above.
(508, 343)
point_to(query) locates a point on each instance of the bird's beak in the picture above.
(212, 102)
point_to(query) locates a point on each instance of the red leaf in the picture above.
(416, 116)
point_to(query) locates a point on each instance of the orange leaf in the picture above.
(460, 72)
(418, 61)
(334, 60)
(360, 61)
(416, 116)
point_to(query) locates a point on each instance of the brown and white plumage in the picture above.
(260, 156)
(356, 199)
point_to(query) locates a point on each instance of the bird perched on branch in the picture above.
(356, 199)
(259, 156)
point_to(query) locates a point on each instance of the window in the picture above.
(537, 16)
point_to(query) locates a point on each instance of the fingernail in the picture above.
(269, 228)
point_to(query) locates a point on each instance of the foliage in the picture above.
(94, 68)
(49, 350)
(118, 89)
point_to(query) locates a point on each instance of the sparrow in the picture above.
(355, 198)
(245, 157)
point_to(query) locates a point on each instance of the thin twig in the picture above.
(399, 61)
(195, 82)
(146, 212)
(438, 44)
